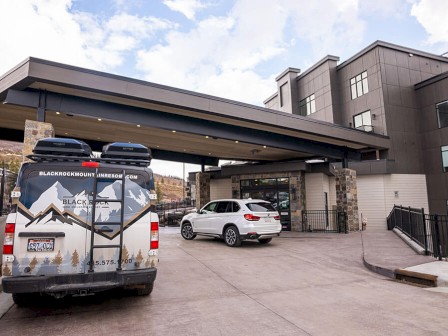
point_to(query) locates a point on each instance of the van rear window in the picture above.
(260, 207)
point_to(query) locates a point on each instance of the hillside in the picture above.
(10, 155)
(168, 188)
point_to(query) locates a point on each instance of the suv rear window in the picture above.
(260, 207)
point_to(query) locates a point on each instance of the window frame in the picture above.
(362, 126)
(307, 105)
(444, 167)
(438, 115)
(359, 85)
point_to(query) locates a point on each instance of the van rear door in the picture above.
(51, 231)
(136, 216)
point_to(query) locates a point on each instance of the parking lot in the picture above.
(300, 284)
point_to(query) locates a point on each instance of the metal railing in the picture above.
(427, 230)
(324, 221)
(170, 213)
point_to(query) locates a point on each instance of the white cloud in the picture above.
(186, 7)
(384, 8)
(170, 168)
(49, 29)
(328, 26)
(221, 55)
(431, 14)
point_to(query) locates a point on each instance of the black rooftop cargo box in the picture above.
(60, 146)
(123, 150)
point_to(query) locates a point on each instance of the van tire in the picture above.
(21, 299)
(232, 236)
(264, 241)
(146, 290)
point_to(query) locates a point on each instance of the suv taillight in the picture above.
(154, 236)
(251, 217)
(8, 242)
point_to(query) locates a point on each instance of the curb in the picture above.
(417, 248)
(6, 303)
(378, 269)
(403, 275)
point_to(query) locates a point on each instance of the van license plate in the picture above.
(41, 245)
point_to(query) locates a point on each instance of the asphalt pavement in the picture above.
(384, 252)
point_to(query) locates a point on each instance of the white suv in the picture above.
(233, 220)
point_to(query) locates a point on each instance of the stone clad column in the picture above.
(347, 196)
(202, 189)
(297, 200)
(34, 131)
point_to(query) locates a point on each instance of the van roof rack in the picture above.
(61, 149)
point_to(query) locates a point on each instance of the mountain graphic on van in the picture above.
(135, 199)
(53, 195)
(58, 205)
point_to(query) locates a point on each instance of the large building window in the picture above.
(307, 105)
(445, 158)
(442, 113)
(363, 121)
(359, 85)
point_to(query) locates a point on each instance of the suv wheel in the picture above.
(187, 231)
(232, 236)
(264, 241)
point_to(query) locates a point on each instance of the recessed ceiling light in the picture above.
(209, 153)
(66, 133)
(158, 146)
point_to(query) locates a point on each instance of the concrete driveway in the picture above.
(309, 284)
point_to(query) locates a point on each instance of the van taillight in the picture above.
(154, 236)
(251, 217)
(8, 242)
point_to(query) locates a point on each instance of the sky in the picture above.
(227, 48)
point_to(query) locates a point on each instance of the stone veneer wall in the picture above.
(297, 205)
(34, 131)
(296, 182)
(202, 189)
(347, 196)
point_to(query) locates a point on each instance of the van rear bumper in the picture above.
(74, 283)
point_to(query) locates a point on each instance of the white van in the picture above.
(81, 224)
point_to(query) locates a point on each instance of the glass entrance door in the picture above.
(275, 191)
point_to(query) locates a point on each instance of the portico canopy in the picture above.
(176, 124)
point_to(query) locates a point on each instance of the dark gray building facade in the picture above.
(386, 89)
